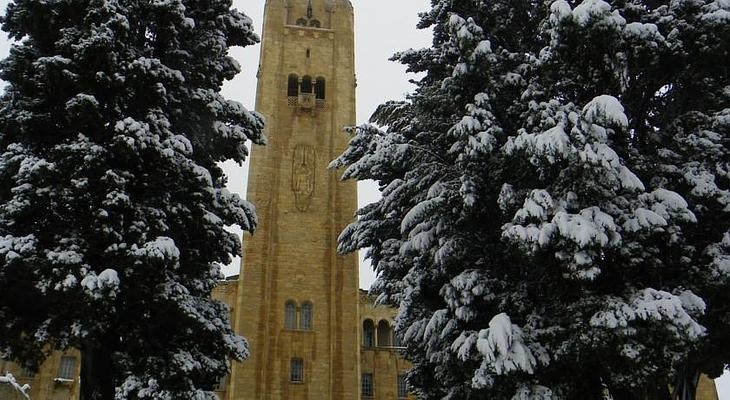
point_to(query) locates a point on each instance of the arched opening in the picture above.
(368, 333)
(307, 316)
(314, 23)
(293, 86)
(290, 315)
(307, 84)
(302, 22)
(383, 334)
(319, 88)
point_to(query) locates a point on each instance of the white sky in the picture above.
(382, 27)
(378, 36)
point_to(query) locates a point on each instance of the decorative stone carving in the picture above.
(302, 179)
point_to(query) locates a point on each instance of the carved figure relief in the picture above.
(302, 179)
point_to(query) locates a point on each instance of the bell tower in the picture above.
(297, 301)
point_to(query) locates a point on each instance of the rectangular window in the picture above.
(367, 385)
(222, 383)
(402, 387)
(67, 369)
(297, 370)
(27, 373)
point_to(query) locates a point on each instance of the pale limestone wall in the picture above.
(706, 389)
(44, 385)
(384, 363)
(302, 208)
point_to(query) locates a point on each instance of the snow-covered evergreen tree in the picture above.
(554, 221)
(112, 206)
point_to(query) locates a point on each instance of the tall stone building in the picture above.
(298, 299)
(313, 334)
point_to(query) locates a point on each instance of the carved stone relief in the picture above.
(302, 179)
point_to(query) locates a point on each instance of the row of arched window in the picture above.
(384, 335)
(306, 86)
(305, 314)
(314, 23)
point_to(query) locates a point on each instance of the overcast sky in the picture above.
(378, 36)
(382, 27)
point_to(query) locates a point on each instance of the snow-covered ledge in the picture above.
(9, 379)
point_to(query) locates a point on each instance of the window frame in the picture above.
(292, 85)
(402, 387)
(320, 88)
(306, 320)
(290, 315)
(368, 341)
(296, 370)
(367, 386)
(306, 84)
(384, 333)
(27, 373)
(67, 368)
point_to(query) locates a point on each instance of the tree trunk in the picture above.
(685, 384)
(96, 373)
(660, 392)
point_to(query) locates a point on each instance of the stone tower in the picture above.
(297, 300)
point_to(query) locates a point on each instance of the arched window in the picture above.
(368, 333)
(290, 315)
(302, 22)
(383, 334)
(293, 86)
(314, 23)
(307, 84)
(319, 88)
(307, 316)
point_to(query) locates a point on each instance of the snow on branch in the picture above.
(9, 379)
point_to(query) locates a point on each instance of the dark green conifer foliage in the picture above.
(112, 206)
(555, 212)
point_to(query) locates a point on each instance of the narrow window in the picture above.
(290, 315)
(309, 53)
(319, 88)
(297, 370)
(402, 386)
(67, 369)
(368, 333)
(306, 84)
(367, 385)
(314, 23)
(302, 22)
(307, 311)
(293, 86)
(222, 383)
(383, 334)
(27, 373)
